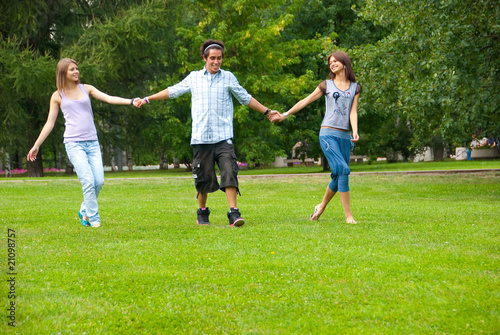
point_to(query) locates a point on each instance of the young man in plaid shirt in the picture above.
(212, 112)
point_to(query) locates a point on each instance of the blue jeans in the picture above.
(87, 159)
(336, 146)
(468, 152)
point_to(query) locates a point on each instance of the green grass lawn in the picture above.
(423, 258)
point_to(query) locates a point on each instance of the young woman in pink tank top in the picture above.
(80, 136)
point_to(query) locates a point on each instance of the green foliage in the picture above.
(392, 141)
(438, 68)
(24, 85)
(128, 49)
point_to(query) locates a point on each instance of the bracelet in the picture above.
(146, 99)
(267, 111)
(132, 102)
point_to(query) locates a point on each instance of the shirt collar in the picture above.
(205, 71)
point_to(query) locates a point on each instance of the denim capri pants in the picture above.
(336, 145)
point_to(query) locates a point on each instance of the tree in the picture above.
(23, 84)
(438, 68)
(25, 64)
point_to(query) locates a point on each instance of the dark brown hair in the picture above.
(215, 44)
(62, 69)
(342, 57)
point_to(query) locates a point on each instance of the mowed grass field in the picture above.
(423, 258)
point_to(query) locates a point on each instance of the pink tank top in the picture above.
(79, 118)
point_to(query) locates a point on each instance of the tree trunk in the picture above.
(8, 171)
(163, 162)
(119, 158)
(35, 169)
(19, 160)
(324, 162)
(59, 160)
(130, 159)
(176, 163)
(113, 157)
(437, 147)
(438, 153)
(54, 153)
(69, 167)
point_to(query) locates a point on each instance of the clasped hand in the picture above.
(138, 102)
(276, 116)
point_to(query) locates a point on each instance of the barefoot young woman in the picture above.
(341, 95)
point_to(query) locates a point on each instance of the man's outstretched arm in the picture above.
(255, 105)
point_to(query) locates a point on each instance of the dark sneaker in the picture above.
(235, 218)
(203, 216)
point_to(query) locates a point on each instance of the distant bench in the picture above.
(485, 153)
(357, 159)
(291, 162)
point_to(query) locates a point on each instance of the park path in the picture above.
(282, 175)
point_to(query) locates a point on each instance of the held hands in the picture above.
(137, 102)
(277, 117)
(272, 114)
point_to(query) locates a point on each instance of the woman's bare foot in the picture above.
(317, 213)
(350, 220)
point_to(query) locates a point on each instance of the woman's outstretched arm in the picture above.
(55, 104)
(95, 93)
(315, 95)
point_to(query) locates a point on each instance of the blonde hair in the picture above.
(62, 69)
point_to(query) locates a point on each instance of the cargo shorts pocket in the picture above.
(198, 174)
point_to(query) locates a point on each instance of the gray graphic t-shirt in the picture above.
(338, 104)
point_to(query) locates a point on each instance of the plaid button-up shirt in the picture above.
(211, 103)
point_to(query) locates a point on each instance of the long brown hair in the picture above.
(342, 57)
(62, 69)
